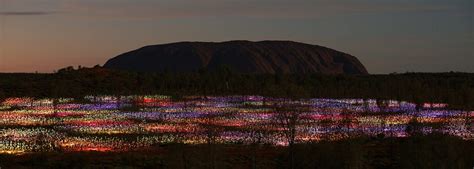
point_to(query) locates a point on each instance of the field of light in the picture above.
(104, 123)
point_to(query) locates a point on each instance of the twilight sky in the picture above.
(386, 35)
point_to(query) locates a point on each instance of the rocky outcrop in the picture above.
(241, 56)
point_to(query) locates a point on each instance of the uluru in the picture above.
(263, 57)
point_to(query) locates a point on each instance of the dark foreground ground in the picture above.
(430, 152)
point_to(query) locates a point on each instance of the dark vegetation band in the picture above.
(455, 89)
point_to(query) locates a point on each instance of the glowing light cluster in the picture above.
(121, 123)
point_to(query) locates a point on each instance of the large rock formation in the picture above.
(240, 56)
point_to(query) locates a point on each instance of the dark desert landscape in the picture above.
(170, 84)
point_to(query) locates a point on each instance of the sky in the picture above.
(386, 35)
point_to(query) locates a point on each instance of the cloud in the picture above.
(29, 7)
(26, 13)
